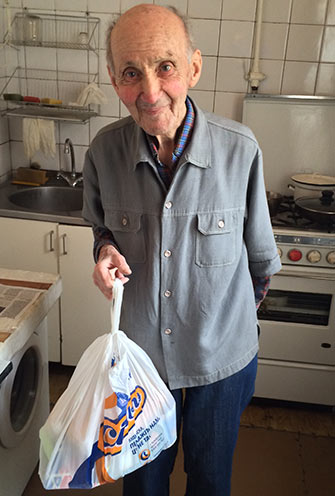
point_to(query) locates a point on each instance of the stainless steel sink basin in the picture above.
(49, 199)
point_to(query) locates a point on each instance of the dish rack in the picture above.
(61, 85)
(55, 30)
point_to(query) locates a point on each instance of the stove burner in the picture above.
(287, 216)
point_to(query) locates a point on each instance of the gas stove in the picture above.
(301, 242)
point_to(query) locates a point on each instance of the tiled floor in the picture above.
(282, 450)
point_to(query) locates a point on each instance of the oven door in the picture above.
(297, 317)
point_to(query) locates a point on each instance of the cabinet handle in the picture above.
(64, 245)
(51, 245)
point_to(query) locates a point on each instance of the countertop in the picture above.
(14, 332)
(9, 209)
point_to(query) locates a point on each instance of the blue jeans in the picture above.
(211, 418)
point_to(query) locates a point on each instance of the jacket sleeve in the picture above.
(258, 235)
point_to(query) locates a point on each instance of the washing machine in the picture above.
(24, 407)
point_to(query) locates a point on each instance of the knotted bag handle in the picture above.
(116, 305)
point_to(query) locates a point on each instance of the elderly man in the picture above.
(176, 199)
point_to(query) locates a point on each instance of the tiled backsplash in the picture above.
(297, 56)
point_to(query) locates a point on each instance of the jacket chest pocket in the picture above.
(215, 239)
(127, 229)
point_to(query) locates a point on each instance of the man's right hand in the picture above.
(111, 264)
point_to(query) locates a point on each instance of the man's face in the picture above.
(152, 70)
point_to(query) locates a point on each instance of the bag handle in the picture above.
(116, 305)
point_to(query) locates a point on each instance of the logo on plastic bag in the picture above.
(121, 412)
(113, 431)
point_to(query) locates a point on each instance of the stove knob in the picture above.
(314, 256)
(294, 255)
(331, 257)
(280, 252)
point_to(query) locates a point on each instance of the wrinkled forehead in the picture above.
(149, 30)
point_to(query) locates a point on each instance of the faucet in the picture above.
(72, 178)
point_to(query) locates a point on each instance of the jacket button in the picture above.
(221, 223)
(124, 221)
(168, 204)
(167, 293)
(167, 253)
(167, 332)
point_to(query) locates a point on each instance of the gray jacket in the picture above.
(192, 249)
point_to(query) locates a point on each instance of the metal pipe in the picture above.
(255, 76)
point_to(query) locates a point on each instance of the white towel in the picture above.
(39, 134)
(91, 94)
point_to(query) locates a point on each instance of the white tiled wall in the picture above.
(297, 55)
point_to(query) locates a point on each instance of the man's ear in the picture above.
(195, 68)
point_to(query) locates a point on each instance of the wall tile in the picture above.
(39, 4)
(273, 70)
(205, 99)
(326, 80)
(4, 134)
(107, 6)
(41, 58)
(78, 6)
(5, 163)
(128, 4)
(299, 78)
(231, 75)
(78, 133)
(274, 11)
(205, 10)
(304, 42)
(112, 108)
(72, 60)
(273, 41)
(206, 35)
(97, 123)
(331, 12)
(208, 74)
(236, 38)
(180, 5)
(229, 105)
(328, 49)
(15, 128)
(309, 11)
(242, 10)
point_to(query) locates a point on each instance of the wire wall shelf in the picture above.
(55, 31)
(63, 86)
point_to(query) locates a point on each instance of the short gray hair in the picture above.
(184, 19)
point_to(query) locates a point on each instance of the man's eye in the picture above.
(166, 67)
(130, 75)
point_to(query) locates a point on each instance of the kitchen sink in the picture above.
(49, 199)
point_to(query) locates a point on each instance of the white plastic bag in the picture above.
(115, 415)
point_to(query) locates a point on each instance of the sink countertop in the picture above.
(9, 209)
(14, 332)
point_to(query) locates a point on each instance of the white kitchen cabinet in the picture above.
(83, 312)
(30, 245)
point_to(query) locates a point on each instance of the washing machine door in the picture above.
(19, 394)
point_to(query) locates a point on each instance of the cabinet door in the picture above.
(32, 245)
(85, 312)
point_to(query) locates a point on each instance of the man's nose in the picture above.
(150, 89)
